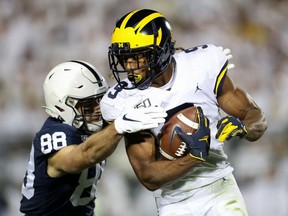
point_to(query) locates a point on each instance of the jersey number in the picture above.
(117, 89)
(86, 186)
(56, 142)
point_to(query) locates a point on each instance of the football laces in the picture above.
(181, 149)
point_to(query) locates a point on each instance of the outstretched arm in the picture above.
(100, 145)
(238, 103)
(75, 158)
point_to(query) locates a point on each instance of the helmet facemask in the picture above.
(87, 113)
(143, 59)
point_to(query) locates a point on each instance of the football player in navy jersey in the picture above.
(68, 153)
(150, 71)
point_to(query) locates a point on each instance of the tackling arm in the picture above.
(238, 103)
(75, 158)
(152, 173)
(100, 145)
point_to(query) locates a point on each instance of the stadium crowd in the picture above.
(35, 35)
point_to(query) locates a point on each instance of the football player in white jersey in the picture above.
(68, 153)
(151, 72)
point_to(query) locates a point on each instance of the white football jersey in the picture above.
(197, 79)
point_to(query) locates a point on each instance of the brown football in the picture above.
(171, 146)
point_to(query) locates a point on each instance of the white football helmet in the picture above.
(72, 92)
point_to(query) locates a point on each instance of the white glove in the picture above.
(229, 56)
(134, 120)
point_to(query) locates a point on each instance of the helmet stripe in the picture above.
(146, 20)
(143, 22)
(127, 18)
(99, 81)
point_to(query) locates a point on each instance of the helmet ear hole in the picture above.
(59, 108)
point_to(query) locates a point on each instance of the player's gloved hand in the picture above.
(229, 56)
(133, 120)
(229, 127)
(199, 142)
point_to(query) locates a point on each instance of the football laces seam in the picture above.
(181, 149)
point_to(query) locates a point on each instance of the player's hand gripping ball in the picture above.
(171, 146)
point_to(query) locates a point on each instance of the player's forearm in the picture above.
(101, 145)
(255, 123)
(164, 172)
(75, 158)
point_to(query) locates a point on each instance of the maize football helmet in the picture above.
(72, 92)
(141, 33)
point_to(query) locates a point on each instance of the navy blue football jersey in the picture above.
(71, 194)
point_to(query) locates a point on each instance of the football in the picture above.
(171, 146)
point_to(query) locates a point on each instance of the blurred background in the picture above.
(36, 35)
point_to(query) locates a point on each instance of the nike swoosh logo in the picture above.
(128, 119)
(173, 135)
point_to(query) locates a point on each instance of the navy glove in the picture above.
(229, 127)
(199, 142)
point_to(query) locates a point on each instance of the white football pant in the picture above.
(221, 198)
